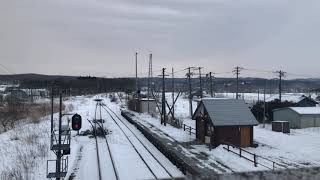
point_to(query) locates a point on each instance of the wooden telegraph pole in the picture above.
(281, 74)
(189, 74)
(211, 83)
(163, 102)
(173, 92)
(200, 80)
(264, 103)
(237, 73)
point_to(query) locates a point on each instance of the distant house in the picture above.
(301, 101)
(143, 105)
(224, 121)
(298, 117)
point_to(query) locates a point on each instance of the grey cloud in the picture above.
(100, 37)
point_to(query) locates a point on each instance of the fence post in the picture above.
(240, 152)
(255, 160)
(228, 148)
(190, 130)
(184, 127)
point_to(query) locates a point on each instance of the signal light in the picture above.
(76, 122)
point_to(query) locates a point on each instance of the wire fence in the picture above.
(252, 157)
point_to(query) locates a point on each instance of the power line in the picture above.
(6, 69)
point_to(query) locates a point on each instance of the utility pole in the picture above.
(163, 102)
(237, 73)
(190, 90)
(137, 86)
(270, 81)
(173, 93)
(149, 76)
(200, 78)
(264, 102)
(51, 111)
(211, 84)
(59, 155)
(281, 74)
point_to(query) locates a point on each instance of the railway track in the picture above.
(117, 121)
(134, 141)
(99, 158)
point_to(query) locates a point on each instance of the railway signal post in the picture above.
(60, 140)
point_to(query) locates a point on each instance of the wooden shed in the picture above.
(224, 121)
(143, 105)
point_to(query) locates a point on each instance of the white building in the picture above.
(298, 117)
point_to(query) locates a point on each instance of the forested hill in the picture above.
(248, 84)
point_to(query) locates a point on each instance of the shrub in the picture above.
(11, 174)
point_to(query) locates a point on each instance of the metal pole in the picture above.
(59, 155)
(149, 74)
(137, 88)
(51, 111)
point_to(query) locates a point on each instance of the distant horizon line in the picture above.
(141, 77)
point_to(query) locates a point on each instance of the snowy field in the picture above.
(24, 151)
(19, 149)
(298, 149)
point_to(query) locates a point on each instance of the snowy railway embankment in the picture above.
(196, 160)
(175, 151)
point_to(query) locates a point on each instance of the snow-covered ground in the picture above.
(298, 149)
(18, 149)
(25, 149)
(128, 163)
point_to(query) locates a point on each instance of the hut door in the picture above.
(200, 129)
(245, 136)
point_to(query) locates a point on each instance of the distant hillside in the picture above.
(247, 84)
(40, 77)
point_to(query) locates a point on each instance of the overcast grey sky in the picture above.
(100, 37)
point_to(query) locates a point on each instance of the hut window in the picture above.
(210, 130)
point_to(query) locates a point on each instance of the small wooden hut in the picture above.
(224, 121)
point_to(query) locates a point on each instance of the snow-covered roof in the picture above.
(146, 99)
(289, 98)
(228, 112)
(306, 110)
